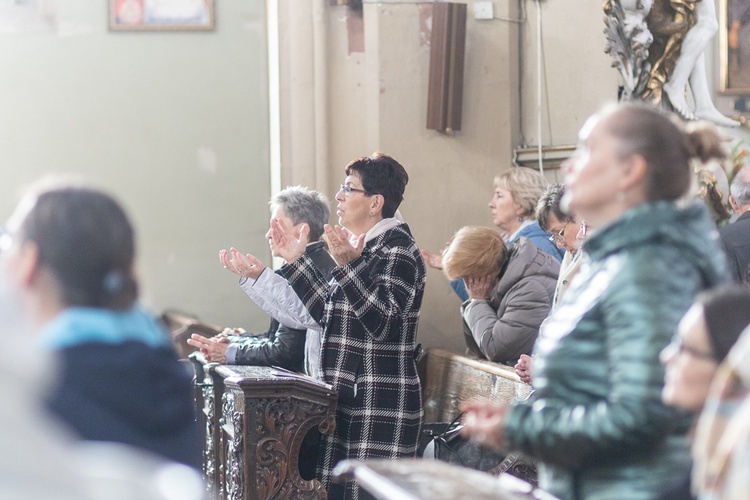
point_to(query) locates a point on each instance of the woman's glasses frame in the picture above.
(559, 237)
(348, 190)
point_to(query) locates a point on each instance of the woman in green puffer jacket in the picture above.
(598, 427)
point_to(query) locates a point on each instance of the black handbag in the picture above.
(443, 441)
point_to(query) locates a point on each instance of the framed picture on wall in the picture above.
(734, 47)
(160, 15)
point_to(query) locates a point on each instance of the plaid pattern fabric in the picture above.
(720, 456)
(369, 312)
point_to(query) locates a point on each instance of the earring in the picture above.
(519, 218)
(371, 214)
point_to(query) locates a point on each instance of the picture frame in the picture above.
(734, 47)
(161, 15)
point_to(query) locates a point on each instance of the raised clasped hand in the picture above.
(434, 260)
(289, 247)
(340, 244)
(246, 265)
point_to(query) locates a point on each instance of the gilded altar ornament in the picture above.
(669, 22)
(657, 46)
(714, 192)
(628, 42)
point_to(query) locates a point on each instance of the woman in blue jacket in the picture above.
(513, 208)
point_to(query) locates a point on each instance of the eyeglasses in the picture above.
(678, 346)
(583, 230)
(348, 190)
(559, 238)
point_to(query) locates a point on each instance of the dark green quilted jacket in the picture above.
(598, 427)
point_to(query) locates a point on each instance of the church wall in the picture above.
(176, 124)
(173, 123)
(377, 100)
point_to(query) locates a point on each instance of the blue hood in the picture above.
(79, 325)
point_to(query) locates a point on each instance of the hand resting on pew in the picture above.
(214, 349)
(523, 368)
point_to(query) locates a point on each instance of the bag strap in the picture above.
(452, 429)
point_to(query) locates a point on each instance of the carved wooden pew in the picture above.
(449, 379)
(254, 420)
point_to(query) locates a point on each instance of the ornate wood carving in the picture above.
(253, 440)
(209, 466)
(516, 467)
(234, 486)
(280, 426)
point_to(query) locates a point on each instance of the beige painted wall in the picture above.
(376, 100)
(175, 124)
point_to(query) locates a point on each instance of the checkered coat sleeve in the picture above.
(369, 312)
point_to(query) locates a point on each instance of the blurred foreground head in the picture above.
(82, 238)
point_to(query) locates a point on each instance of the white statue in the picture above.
(691, 67)
(690, 26)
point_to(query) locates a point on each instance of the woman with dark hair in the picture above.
(705, 335)
(368, 311)
(70, 257)
(598, 427)
(722, 434)
(567, 232)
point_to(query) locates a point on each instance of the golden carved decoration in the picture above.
(669, 22)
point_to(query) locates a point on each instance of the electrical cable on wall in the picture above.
(539, 83)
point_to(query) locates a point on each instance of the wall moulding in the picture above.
(552, 156)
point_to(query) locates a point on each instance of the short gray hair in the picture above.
(548, 204)
(740, 188)
(301, 204)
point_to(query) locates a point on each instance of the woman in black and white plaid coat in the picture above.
(369, 313)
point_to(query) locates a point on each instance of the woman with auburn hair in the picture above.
(598, 427)
(510, 291)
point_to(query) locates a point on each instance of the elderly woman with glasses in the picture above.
(368, 314)
(510, 291)
(568, 233)
(598, 427)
